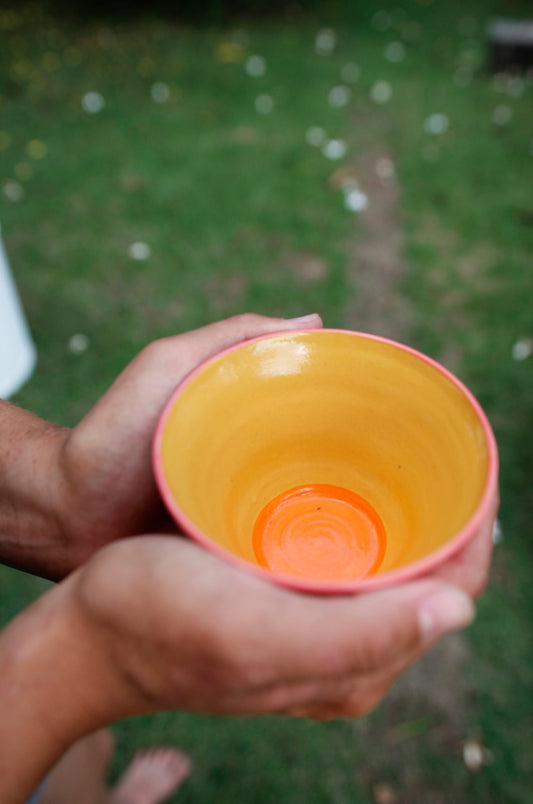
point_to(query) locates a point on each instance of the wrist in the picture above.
(57, 685)
(31, 490)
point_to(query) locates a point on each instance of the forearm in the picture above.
(31, 534)
(56, 685)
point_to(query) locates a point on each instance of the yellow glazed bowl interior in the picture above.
(326, 410)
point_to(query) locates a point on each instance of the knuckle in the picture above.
(244, 322)
(154, 351)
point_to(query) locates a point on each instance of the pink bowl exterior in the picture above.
(409, 572)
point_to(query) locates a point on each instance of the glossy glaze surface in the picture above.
(319, 531)
(327, 407)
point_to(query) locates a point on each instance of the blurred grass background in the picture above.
(154, 178)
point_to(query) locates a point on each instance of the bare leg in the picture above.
(81, 773)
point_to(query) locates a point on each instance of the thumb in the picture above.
(209, 340)
(136, 398)
(374, 632)
(154, 373)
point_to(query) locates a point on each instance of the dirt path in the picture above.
(377, 263)
(427, 709)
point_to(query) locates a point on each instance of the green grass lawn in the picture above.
(239, 212)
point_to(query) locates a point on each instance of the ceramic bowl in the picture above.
(326, 460)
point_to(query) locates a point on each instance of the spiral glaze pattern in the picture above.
(319, 531)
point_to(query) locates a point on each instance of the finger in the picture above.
(359, 692)
(350, 697)
(344, 668)
(329, 697)
(213, 338)
(146, 383)
(133, 404)
(292, 636)
(371, 633)
(267, 649)
(319, 699)
(469, 569)
(175, 357)
(353, 706)
(354, 703)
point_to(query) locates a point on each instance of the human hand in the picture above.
(107, 489)
(189, 632)
(469, 568)
(155, 622)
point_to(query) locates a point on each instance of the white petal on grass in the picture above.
(473, 755)
(398, 17)
(255, 66)
(502, 115)
(381, 92)
(78, 344)
(139, 250)
(264, 104)
(93, 102)
(385, 169)
(411, 31)
(497, 532)
(383, 793)
(356, 200)
(471, 56)
(36, 149)
(160, 92)
(499, 82)
(381, 20)
(325, 42)
(522, 349)
(334, 149)
(241, 37)
(437, 123)
(13, 191)
(515, 87)
(339, 96)
(315, 136)
(348, 184)
(395, 52)
(350, 72)
(462, 76)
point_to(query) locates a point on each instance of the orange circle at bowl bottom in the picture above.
(319, 531)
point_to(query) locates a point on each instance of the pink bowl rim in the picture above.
(409, 572)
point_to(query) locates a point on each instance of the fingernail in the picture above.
(443, 611)
(304, 320)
